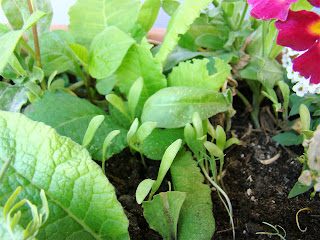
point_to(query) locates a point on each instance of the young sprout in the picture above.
(277, 233)
(91, 130)
(106, 144)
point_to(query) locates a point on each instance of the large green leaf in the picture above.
(9, 41)
(195, 74)
(17, 12)
(56, 55)
(173, 107)
(70, 116)
(82, 202)
(162, 213)
(196, 219)
(107, 51)
(12, 98)
(139, 62)
(90, 17)
(179, 24)
(159, 140)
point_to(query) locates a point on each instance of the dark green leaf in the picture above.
(298, 189)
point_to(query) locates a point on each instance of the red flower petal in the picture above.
(296, 31)
(315, 3)
(308, 64)
(270, 9)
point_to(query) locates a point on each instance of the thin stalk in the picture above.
(229, 207)
(27, 48)
(243, 15)
(36, 45)
(142, 160)
(255, 110)
(76, 85)
(264, 27)
(243, 98)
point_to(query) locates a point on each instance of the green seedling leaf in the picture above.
(81, 54)
(94, 124)
(305, 117)
(70, 116)
(288, 139)
(137, 63)
(165, 164)
(162, 213)
(145, 130)
(9, 41)
(78, 193)
(13, 98)
(143, 190)
(174, 107)
(107, 142)
(170, 6)
(119, 13)
(179, 24)
(118, 103)
(213, 149)
(220, 137)
(159, 140)
(230, 142)
(105, 86)
(194, 144)
(132, 131)
(110, 42)
(210, 129)
(50, 79)
(211, 41)
(195, 74)
(298, 189)
(196, 219)
(148, 14)
(197, 124)
(285, 91)
(134, 96)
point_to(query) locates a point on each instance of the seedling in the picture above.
(277, 233)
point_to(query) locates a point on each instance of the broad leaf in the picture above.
(148, 14)
(299, 188)
(179, 24)
(88, 18)
(288, 139)
(170, 6)
(81, 199)
(173, 107)
(196, 219)
(107, 51)
(9, 41)
(162, 213)
(70, 116)
(56, 55)
(139, 62)
(195, 74)
(159, 140)
(17, 12)
(13, 98)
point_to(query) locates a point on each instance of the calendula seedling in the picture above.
(92, 128)
(106, 144)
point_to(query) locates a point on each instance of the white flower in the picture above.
(317, 187)
(305, 178)
(301, 88)
(314, 151)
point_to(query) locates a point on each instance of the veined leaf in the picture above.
(107, 51)
(139, 62)
(195, 74)
(88, 18)
(9, 41)
(70, 116)
(173, 107)
(196, 220)
(13, 98)
(82, 200)
(179, 23)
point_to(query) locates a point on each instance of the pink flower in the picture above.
(315, 3)
(301, 31)
(270, 9)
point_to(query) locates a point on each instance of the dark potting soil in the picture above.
(258, 192)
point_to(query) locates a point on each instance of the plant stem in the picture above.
(76, 85)
(36, 45)
(26, 47)
(142, 160)
(243, 14)
(264, 27)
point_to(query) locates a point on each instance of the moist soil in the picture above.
(258, 190)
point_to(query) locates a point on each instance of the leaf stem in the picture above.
(243, 14)
(36, 45)
(264, 27)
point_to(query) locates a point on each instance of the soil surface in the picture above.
(258, 191)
